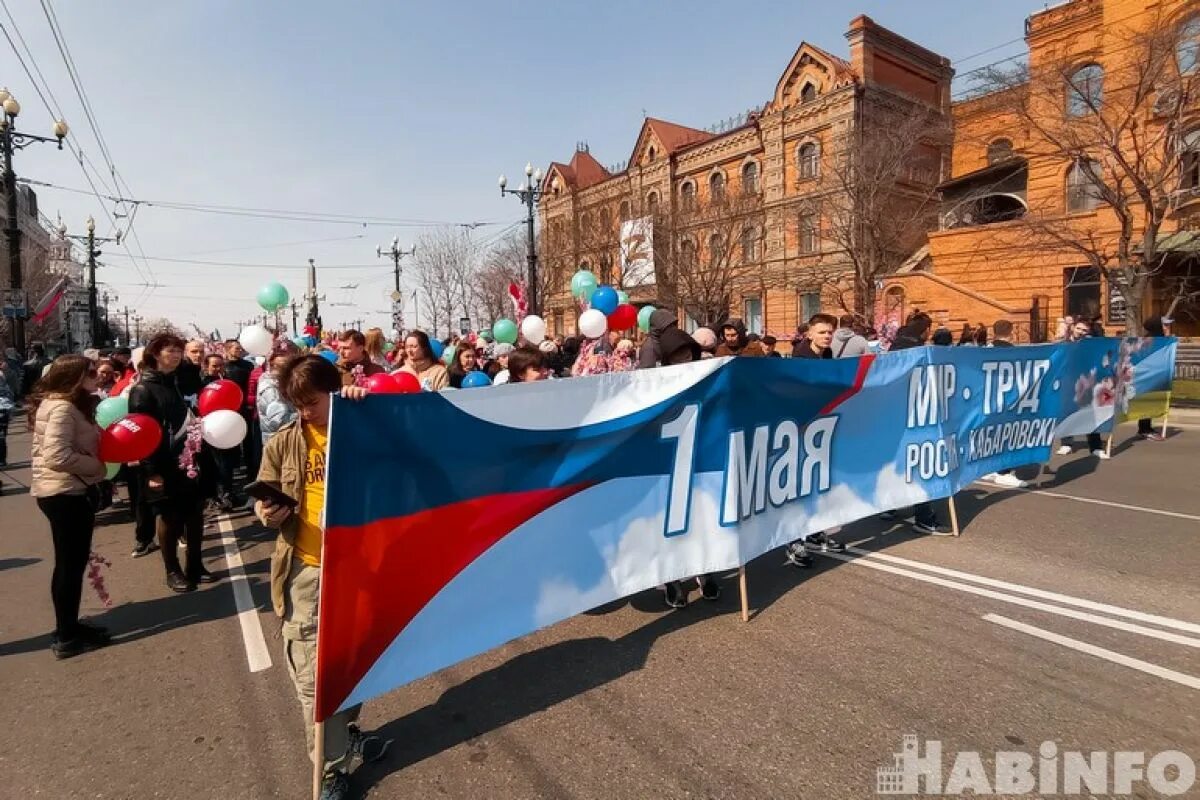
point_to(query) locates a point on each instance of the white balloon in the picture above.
(224, 430)
(592, 323)
(533, 328)
(257, 340)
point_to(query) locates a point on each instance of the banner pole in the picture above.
(318, 758)
(745, 595)
(954, 517)
(1165, 418)
(1108, 447)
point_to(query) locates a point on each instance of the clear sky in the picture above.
(395, 110)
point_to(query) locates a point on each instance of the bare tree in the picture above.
(876, 198)
(153, 327)
(444, 260)
(1122, 132)
(506, 262)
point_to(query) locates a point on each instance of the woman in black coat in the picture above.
(177, 499)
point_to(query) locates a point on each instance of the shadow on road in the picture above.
(16, 563)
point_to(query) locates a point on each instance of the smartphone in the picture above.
(271, 493)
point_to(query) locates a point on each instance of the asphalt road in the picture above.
(961, 640)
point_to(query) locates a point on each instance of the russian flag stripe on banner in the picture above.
(456, 522)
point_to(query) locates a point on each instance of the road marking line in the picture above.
(1144, 509)
(1116, 611)
(257, 654)
(1099, 652)
(1021, 601)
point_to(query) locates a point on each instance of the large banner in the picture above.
(456, 522)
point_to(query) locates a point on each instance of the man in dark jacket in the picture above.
(817, 342)
(734, 341)
(238, 369)
(187, 377)
(916, 334)
(651, 354)
(352, 354)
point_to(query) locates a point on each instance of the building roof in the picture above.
(583, 171)
(673, 137)
(997, 171)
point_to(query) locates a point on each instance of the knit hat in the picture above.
(503, 349)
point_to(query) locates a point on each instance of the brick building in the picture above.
(1030, 224)
(745, 219)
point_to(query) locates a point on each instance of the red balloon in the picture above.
(624, 318)
(131, 438)
(406, 382)
(222, 395)
(382, 383)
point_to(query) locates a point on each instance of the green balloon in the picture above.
(486, 335)
(505, 331)
(388, 347)
(448, 354)
(273, 296)
(300, 342)
(583, 283)
(622, 297)
(644, 318)
(110, 410)
(111, 470)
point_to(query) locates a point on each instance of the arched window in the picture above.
(1189, 161)
(1085, 90)
(585, 224)
(1084, 185)
(749, 245)
(605, 222)
(606, 263)
(687, 253)
(808, 158)
(808, 93)
(650, 153)
(652, 203)
(809, 233)
(1187, 50)
(716, 250)
(716, 186)
(999, 150)
(750, 178)
(623, 210)
(687, 195)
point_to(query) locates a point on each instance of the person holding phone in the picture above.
(294, 463)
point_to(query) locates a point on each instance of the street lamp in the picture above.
(11, 140)
(395, 253)
(92, 254)
(529, 193)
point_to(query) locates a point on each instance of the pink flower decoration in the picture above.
(96, 577)
(191, 446)
(1104, 394)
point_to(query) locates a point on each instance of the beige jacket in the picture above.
(434, 377)
(65, 448)
(283, 463)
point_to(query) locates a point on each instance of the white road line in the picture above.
(1099, 652)
(1083, 616)
(1064, 599)
(252, 636)
(1144, 509)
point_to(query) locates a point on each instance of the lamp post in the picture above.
(529, 193)
(10, 141)
(397, 298)
(90, 241)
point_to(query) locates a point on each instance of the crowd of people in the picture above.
(286, 397)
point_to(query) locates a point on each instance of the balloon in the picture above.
(301, 341)
(436, 346)
(222, 395)
(622, 297)
(110, 410)
(485, 335)
(643, 318)
(592, 323)
(388, 347)
(533, 328)
(130, 438)
(382, 383)
(273, 296)
(448, 354)
(583, 283)
(256, 339)
(604, 300)
(329, 355)
(473, 380)
(224, 430)
(406, 382)
(505, 331)
(624, 318)
(111, 470)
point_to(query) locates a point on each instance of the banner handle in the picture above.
(1166, 416)
(745, 595)
(954, 517)
(1108, 447)
(318, 758)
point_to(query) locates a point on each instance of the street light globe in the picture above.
(62, 229)
(60, 129)
(528, 169)
(4, 95)
(503, 181)
(537, 176)
(11, 106)
(91, 224)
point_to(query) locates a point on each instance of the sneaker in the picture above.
(225, 503)
(1007, 479)
(1151, 437)
(72, 647)
(709, 588)
(1064, 450)
(797, 556)
(143, 549)
(1101, 454)
(335, 786)
(931, 528)
(823, 544)
(990, 477)
(369, 748)
(177, 583)
(674, 595)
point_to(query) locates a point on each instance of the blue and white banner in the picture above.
(456, 522)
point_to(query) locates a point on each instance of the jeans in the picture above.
(4, 416)
(71, 523)
(1145, 427)
(182, 517)
(925, 515)
(225, 462)
(143, 512)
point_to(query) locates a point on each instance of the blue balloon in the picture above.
(473, 380)
(310, 340)
(605, 300)
(329, 355)
(438, 348)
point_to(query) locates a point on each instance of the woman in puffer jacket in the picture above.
(273, 411)
(66, 468)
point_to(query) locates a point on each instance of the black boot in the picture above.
(177, 583)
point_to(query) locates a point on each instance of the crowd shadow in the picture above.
(1133, 440)
(17, 563)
